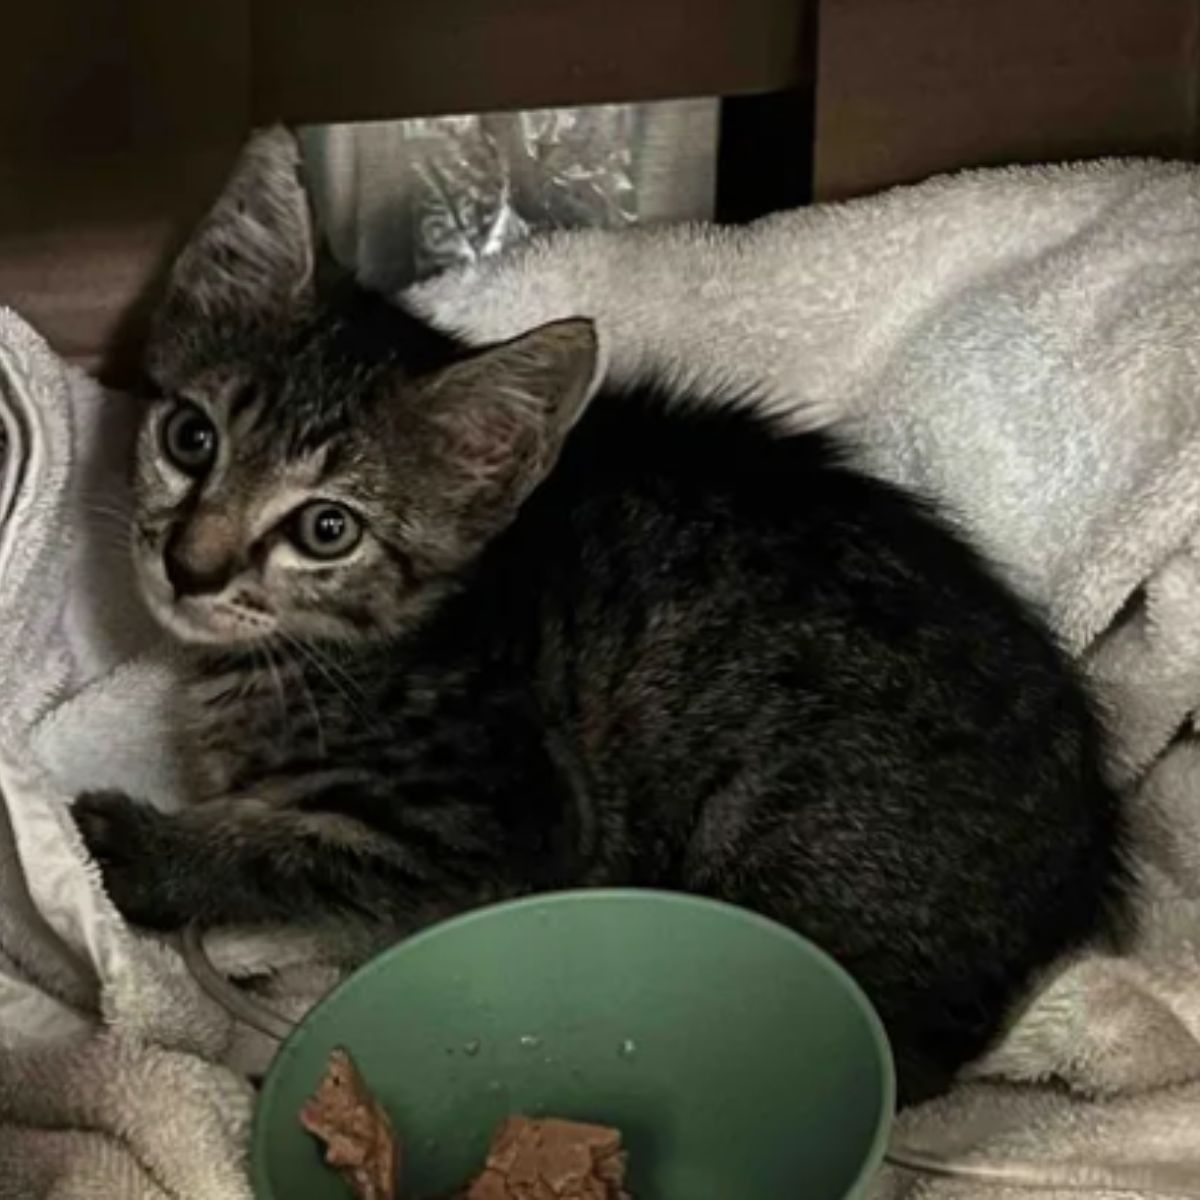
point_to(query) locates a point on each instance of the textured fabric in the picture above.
(108, 1079)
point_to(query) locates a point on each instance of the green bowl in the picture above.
(738, 1060)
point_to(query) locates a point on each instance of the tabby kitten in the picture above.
(460, 634)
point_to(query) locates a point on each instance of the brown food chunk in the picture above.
(551, 1160)
(527, 1160)
(359, 1140)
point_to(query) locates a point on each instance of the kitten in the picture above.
(460, 634)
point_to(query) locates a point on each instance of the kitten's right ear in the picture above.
(247, 267)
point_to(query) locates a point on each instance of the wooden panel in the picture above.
(83, 242)
(906, 88)
(341, 60)
(119, 119)
(92, 76)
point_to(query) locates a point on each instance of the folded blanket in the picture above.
(1017, 343)
(108, 1077)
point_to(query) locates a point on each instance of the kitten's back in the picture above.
(804, 693)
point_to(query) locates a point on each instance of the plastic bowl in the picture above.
(737, 1059)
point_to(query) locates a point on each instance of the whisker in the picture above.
(106, 508)
(112, 518)
(113, 496)
(313, 657)
(277, 680)
(121, 539)
(330, 666)
(313, 707)
(258, 662)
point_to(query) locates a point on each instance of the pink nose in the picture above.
(200, 556)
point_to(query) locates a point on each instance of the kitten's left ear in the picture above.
(247, 266)
(504, 413)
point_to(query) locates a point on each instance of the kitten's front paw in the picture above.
(123, 836)
(103, 818)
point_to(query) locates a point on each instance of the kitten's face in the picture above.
(321, 490)
(323, 465)
(247, 529)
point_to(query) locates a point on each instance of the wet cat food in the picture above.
(527, 1160)
(360, 1142)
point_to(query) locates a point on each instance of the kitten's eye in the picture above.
(323, 529)
(190, 439)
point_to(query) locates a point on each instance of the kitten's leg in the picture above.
(240, 861)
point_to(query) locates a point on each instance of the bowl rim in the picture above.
(873, 1158)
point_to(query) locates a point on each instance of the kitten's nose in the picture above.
(196, 565)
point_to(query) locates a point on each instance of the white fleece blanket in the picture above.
(1020, 344)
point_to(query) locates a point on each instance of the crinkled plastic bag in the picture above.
(401, 200)
(481, 183)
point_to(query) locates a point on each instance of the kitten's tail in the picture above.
(230, 997)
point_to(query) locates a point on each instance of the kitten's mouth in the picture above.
(213, 622)
(203, 620)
